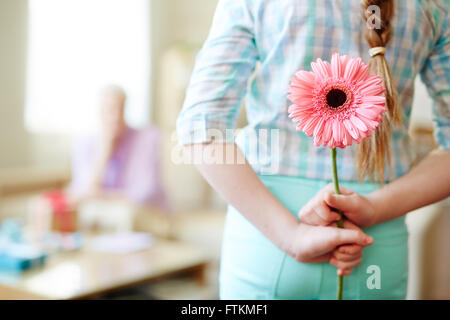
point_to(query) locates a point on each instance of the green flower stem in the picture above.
(340, 223)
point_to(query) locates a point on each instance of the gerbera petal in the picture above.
(370, 123)
(342, 134)
(372, 80)
(303, 74)
(292, 108)
(304, 78)
(352, 68)
(297, 110)
(336, 131)
(319, 127)
(377, 100)
(351, 129)
(327, 132)
(336, 66)
(301, 117)
(299, 90)
(362, 73)
(358, 124)
(374, 91)
(375, 107)
(332, 144)
(364, 135)
(347, 137)
(308, 129)
(321, 68)
(368, 113)
(301, 99)
(344, 61)
(317, 140)
(306, 125)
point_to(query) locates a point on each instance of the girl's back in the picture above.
(284, 36)
(267, 253)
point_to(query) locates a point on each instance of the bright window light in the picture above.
(76, 47)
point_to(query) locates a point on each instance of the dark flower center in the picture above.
(336, 98)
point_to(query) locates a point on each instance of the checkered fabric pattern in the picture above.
(255, 47)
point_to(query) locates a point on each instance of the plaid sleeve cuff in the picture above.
(201, 131)
(442, 136)
(441, 119)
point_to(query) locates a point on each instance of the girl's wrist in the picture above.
(287, 234)
(379, 203)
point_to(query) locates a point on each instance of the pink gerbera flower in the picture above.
(337, 103)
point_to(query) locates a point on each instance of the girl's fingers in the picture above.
(347, 257)
(345, 190)
(326, 214)
(345, 264)
(342, 189)
(350, 249)
(342, 272)
(342, 202)
(309, 215)
(313, 219)
(317, 219)
(346, 236)
(323, 258)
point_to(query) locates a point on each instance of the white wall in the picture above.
(14, 141)
(175, 22)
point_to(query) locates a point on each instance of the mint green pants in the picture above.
(253, 268)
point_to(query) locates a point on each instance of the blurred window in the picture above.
(75, 48)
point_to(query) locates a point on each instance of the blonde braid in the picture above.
(375, 152)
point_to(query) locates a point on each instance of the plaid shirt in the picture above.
(254, 48)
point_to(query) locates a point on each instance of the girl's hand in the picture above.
(355, 207)
(313, 244)
(346, 257)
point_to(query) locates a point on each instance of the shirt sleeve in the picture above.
(220, 76)
(436, 77)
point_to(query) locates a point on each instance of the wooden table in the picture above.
(85, 274)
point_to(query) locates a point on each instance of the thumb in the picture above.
(342, 202)
(346, 236)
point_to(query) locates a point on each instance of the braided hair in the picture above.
(374, 152)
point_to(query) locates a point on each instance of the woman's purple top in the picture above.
(134, 168)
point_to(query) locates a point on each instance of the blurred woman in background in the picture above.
(119, 162)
